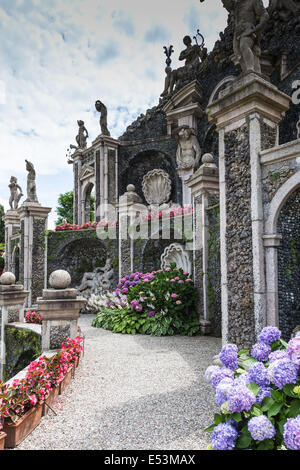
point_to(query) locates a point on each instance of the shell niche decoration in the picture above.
(157, 187)
(175, 253)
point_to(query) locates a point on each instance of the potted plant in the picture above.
(22, 412)
(2, 435)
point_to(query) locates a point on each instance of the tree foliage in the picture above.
(65, 206)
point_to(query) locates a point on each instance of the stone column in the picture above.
(12, 226)
(203, 183)
(106, 174)
(129, 205)
(33, 258)
(185, 175)
(60, 308)
(12, 299)
(246, 114)
(271, 243)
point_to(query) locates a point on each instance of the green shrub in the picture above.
(159, 303)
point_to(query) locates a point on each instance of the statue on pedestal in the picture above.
(31, 185)
(188, 151)
(192, 56)
(15, 193)
(81, 138)
(101, 108)
(250, 18)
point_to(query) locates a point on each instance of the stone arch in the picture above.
(79, 256)
(274, 249)
(278, 201)
(15, 257)
(87, 190)
(219, 87)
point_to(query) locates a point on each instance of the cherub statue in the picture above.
(82, 137)
(15, 193)
(101, 108)
(31, 185)
(188, 151)
(250, 18)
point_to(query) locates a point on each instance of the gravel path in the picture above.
(133, 392)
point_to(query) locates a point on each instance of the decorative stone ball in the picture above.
(60, 279)
(207, 158)
(7, 279)
(131, 188)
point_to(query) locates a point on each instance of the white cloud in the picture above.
(58, 56)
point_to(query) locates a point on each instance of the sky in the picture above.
(57, 57)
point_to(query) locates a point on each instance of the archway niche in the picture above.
(289, 265)
(89, 203)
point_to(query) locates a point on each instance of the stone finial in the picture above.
(7, 279)
(130, 197)
(207, 158)
(60, 279)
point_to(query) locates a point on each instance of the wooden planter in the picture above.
(2, 440)
(78, 360)
(66, 380)
(17, 432)
(50, 400)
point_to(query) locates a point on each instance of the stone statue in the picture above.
(188, 151)
(15, 193)
(82, 137)
(98, 282)
(192, 55)
(101, 108)
(250, 17)
(31, 185)
(284, 8)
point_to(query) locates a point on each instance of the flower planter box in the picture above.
(66, 380)
(17, 432)
(2, 440)
(50, 400)
(78, 360)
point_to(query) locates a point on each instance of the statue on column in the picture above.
(101, 108)
(81, 138)
(15, 193)
(192, 55)
(188, 151)
(250, 18)
(31, 185)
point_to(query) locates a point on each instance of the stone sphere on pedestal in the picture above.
(7, 279)
(60, 279)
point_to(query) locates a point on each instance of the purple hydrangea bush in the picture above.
(157, 303)
(258, 392)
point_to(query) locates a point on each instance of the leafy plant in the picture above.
(258, 392)
(159, 303)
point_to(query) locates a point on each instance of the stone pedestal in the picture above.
(185, 175)
(12, 227)
(203, 184)
(33, 257)
(246, 114)
(60, 310)
(184, 108)
(12, 299)
(106, 177)
(128, 207)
